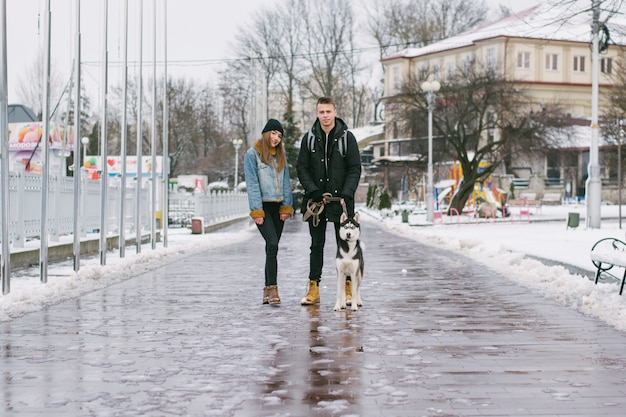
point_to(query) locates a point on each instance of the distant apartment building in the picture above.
(547, 49)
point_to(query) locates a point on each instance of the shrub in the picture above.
(385, 201)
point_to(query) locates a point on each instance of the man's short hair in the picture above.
(326, 100)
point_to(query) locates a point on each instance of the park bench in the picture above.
(609, 253)
(525, 202)
(551, 198)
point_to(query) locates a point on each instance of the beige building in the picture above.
(548, 50)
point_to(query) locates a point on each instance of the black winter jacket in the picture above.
(342, 175)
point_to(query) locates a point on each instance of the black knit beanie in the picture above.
(273, 124)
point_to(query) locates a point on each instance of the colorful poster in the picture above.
(114, 165)
(26, 137)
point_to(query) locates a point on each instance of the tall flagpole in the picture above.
(139, 185)
(45, 150)
(104, 174)
(4, 149)
(78, 167)
(124, 138)
(154, 129)
(166, 168)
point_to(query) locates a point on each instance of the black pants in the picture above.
(271, 230)
(318, 239)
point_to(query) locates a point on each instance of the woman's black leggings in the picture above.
(271, 230)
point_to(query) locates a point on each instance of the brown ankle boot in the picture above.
(273, 297)
(266, 295)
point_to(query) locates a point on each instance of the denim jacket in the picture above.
(265, 184)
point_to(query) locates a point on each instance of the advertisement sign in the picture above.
(25, 148)
(114, 166)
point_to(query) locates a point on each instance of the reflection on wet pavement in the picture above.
(438, 336)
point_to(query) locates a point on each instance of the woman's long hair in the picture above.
(267, 151)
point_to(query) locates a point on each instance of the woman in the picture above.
(269, 196)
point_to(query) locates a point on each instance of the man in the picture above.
(329, 169)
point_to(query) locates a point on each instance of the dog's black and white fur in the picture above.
(349, 261)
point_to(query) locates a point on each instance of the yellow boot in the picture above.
(312, 295)
(348, 292)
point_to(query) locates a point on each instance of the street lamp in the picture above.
(237, 144)
(620, 126)
(430, 88)
(85, 142)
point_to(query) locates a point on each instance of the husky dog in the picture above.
(349, 261)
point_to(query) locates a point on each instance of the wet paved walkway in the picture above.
(438, 336)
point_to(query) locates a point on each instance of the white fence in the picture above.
(25, 206)
(213, 207)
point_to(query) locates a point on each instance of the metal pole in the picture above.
(430, 88)
(166, 169)
(594, 185)
(85, 142)
(154, 129)
(236, 165)
(4, 149)
(45, 149)
(619, 170)
(139, 185)
(104, 176)
(429, 186)
(78, 170)
(122, 225)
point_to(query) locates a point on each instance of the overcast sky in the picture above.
(200, 35)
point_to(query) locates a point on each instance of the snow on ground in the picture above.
(508, 247)
(512, 247)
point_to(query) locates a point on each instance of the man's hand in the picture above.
(317, 196)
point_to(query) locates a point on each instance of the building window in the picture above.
(606, 66)
(394, 149)
(436, 72)
(523, 60)
(450, 71)
(579, 64)
(491, 58)
(396, 78)
(423, 71)
(553, 171)
(552, 62)
(467, 63)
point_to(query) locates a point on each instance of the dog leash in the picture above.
(314, 209)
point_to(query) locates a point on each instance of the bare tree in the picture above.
(215, 148)
(400, 24)
(329, 35)
(480, 117)
(237, 88)
(261, 44)
(614, 117)
(30, 89)
(274, 40)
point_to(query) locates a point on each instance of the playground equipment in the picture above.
(485, 191)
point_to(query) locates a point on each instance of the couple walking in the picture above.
(325, 166)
